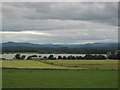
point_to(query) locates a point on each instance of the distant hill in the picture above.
(14, 44)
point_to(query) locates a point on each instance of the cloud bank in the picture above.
(60, 22)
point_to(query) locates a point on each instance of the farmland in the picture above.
(31, 64)
(60, 73)
(61, 64)
(88, 64)
(15, 78)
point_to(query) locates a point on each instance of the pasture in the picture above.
(19, 78)
(60, 74)
(88, 64)
(31, 64)
(62, 64)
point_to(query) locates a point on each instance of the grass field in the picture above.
(13, 78)
(31, 64)
(88, 64)
(105, 76)
(62, 64)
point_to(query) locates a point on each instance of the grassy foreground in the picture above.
(91, 74)
(13, 78)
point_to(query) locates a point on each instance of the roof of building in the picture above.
(38, 58)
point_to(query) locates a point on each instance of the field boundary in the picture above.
(41, 68)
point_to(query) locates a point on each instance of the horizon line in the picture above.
(60, 43)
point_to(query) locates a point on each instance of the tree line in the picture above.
(86, 57)
(51, 57)
(61, 50)
(114, 56)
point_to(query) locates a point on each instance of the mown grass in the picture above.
(62, 64)
(106, 76)
(88, 64)
(14, 78)
(31, 64)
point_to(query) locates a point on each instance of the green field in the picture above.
(61, 64)
(72, 75)
(13, 78)
(31, 64)
(87, 64)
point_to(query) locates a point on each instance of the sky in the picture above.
(60, 23)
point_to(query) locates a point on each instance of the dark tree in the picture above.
(101, 56)
(29, 58)
(64, 57)
(77, 57)
(17, 56)
(95, 57)
(23, 57)
(88, 56)
(73, 57)
(80, 57)
(70, 57)
(118, 55)
(34, 56)
(54, 58)
(59, 57)
(51, 57)
(112, 56)
(45, 57)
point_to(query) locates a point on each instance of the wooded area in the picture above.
(61, 50)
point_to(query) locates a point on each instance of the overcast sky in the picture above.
(67, 23)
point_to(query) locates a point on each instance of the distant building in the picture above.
(116, 53)
(108, 54)
(37, 58)
(112, 53)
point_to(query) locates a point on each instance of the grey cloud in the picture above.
(100, 12)
(67, 22)
(63, 37)
(23, 16)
